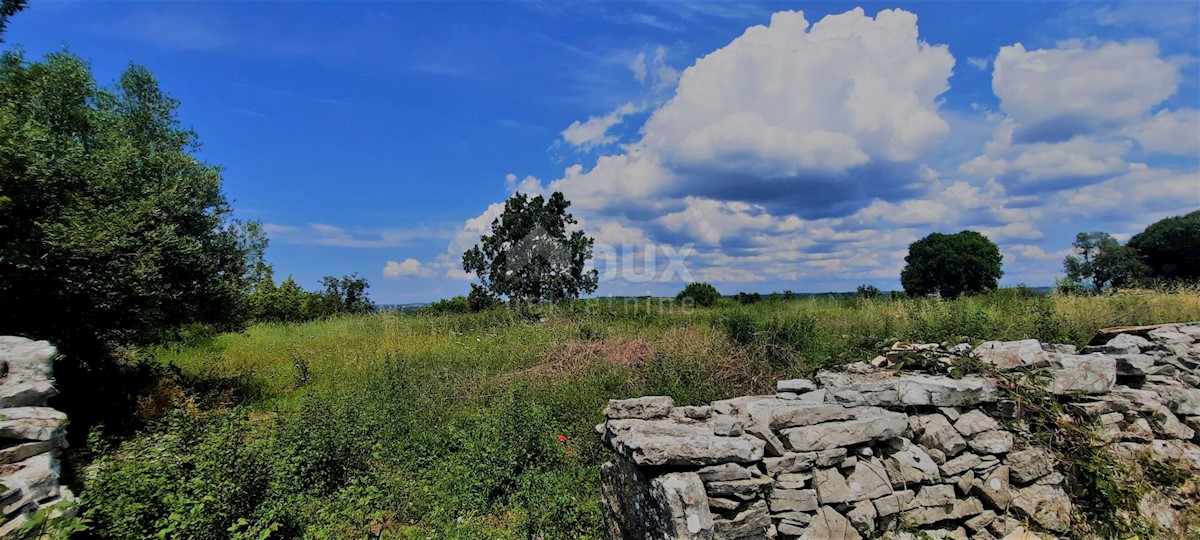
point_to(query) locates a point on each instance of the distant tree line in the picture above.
(289, 302)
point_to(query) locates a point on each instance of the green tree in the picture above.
(1170, 248)
(951, 265)
(110, 228)
(700, 294)
(8, 8)
(530, 256)
(347, 294)
(1101, 262)
(868, 291)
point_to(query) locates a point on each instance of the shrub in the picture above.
(699, 294)
(868, 291)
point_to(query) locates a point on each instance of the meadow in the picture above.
(480, 425)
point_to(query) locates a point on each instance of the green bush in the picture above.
(699, 294)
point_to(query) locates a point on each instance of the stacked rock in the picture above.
(31, 434)
(874, 452)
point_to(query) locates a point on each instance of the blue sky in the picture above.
(765, 148)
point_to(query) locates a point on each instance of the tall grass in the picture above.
(448, 426)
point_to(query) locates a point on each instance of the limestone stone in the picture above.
(1169, 335)
(793, 500)
(691, 413)
(1134, 365)
(1122, 344)
(911, 466)
(1030, 464)
(831, 457)
(868, 481)
(1163, 422)
(994, 489)
(862, 516)
(645, 408)
(1083, 374)
(32, 424)
(728, 426)
(964, 482)
(723, 504)
(666, 442)
(928, 515)
(828, 524)
(875, 425)
(1047, 505)
(790, 462)
(28, 381)
(724, 472)
(1184, 401)
(886, 389)
(741, 489)
(798, 386)
(1012, 354)
(749, 522)
(792, 481)
(980, 522)
(19, 452)
(975, 421)
(936, 432)
(1174, 449)
(30, 480)
(991, 442)
(934, 495)
(892, 503)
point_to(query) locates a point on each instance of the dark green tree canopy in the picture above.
(110, 228)
(951, 265)
(530, 256)
(1170, 248)
(700, 294)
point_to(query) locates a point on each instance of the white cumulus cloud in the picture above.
(406, 268)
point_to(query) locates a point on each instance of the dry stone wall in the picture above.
(874, 451)
(31, 434)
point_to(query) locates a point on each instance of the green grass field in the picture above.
(448, 426)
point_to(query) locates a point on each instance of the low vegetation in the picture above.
(479, 425)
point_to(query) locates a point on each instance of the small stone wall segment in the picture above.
(31, 433)
(875, 452)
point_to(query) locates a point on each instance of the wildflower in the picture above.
(562, 438)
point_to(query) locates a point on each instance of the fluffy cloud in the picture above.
(594, 131)
(804, 118)
(1169, 132)
(1071, 90)
(407, 268)
(1069, 122)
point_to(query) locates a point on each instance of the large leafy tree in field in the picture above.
(951, 265)
(530, 256)
(1170, 248)
(110, 227)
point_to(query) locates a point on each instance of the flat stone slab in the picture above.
(665, 442)
(1082, 374)
(645, 408)
(1012, 354)
(887, 389)
(871, 424)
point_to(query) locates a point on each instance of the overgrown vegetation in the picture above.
(479, 424)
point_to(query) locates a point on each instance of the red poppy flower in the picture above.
(562, 438)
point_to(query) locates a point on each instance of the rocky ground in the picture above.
(922, 441)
